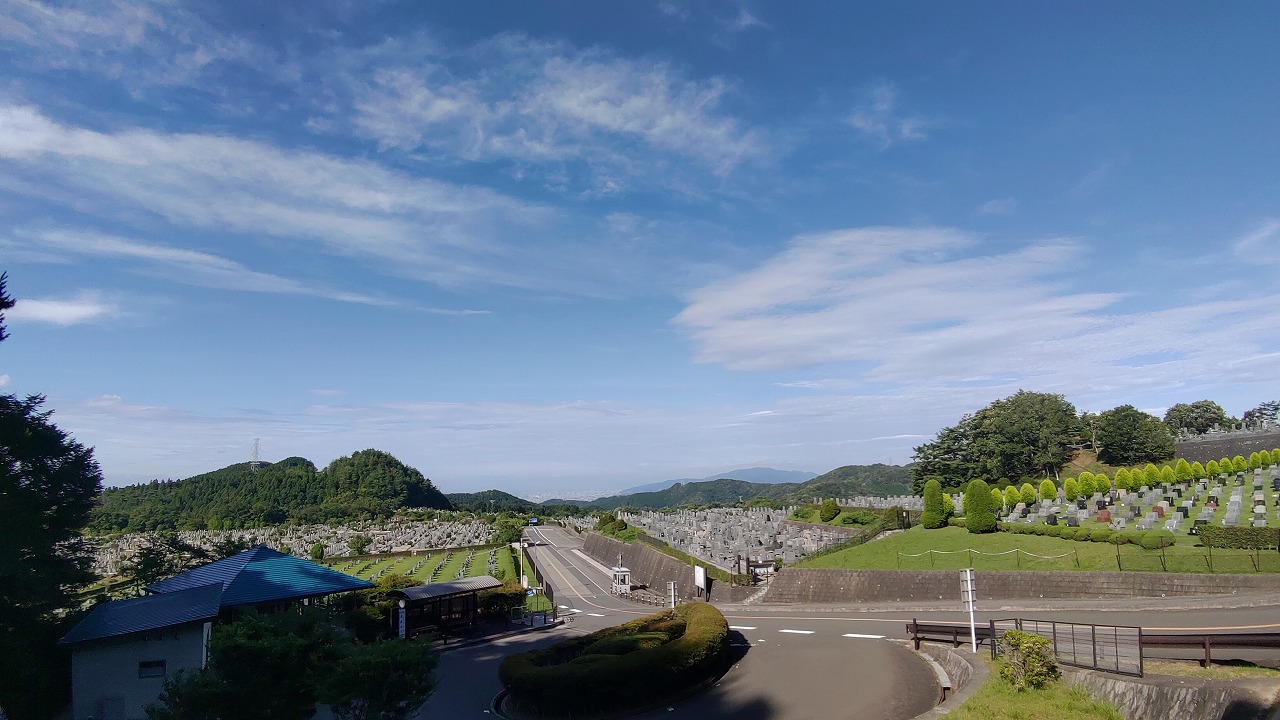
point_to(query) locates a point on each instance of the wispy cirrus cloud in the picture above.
(187, 266)
(1260, 245)
(539, 102)
(878, 118)
(919, 308)
(418, 227)
(85, 307)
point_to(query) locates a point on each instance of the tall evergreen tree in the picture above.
(48, 484)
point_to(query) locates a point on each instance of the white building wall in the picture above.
(104, 674)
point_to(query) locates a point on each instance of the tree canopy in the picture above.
(369, 484)
(1129, 436)
(1197, 417)
(1027, 434)
(48, 484)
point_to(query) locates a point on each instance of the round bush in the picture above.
(1083, 534)
(572, 678)
(1100, 535)
(1118, 538)
(1050, 530)
(1067, 533)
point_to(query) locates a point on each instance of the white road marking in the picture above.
(869, 637)
(564, 607)
(797, 632)
(594, 615)
(742, 627)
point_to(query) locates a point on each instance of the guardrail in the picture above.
(1115, 649)
(1208, 640)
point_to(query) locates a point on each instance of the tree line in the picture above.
(1034, 435)
(367, 485)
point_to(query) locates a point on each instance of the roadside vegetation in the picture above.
(620, 670)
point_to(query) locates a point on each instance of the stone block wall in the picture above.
(792, 585)
(648, 566)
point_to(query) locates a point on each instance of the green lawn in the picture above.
(909, 551)
(403, 565)
(997, 700)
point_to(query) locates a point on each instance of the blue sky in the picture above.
(567, 246)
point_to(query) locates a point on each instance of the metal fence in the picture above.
(1111, 648)
(537, 574)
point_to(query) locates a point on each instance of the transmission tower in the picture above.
(254, 460)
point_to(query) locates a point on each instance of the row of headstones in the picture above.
(466, 565)
(722, 535)
(908, 502)
(435, 573)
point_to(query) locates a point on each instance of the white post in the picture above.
(969, 593)
(671, 592)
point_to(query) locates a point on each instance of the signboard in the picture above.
(700, 577)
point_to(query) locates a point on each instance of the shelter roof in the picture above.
(150, 612)
(261, 575)
(447, 589)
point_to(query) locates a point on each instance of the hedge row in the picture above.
(1240, 538)
(1149, 539)
(661, 656)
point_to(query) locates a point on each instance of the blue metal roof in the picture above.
(150, 612)
(260, 575)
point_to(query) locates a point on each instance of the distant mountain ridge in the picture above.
(880, 480)
(762, 475)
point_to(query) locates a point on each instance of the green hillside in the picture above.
(844, 481)
(369, 484)
(491, 501)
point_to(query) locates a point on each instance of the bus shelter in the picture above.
(440, 607)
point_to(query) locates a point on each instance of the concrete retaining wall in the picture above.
(654, 569)
(792, 585)
(1163, 697)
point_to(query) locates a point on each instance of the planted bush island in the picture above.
(619, 669)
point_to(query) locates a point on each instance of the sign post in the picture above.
(969, 593)
(671, 592)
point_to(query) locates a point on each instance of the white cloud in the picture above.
(418, 227)
(4, 380)
(193, 267)
(85, 307)
(907, 307)
(745, 20)
(1261, 245)
(548, 103)
(878, 118)
(1000, 206)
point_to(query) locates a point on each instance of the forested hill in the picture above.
(369, 484)
(847, 481)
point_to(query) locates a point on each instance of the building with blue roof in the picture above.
(122, 651)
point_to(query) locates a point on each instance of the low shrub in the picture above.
(1240, 538)
(574, 678)
(1156, 539)
(1049, 530)
(1100, 535)
(1067, 533)
(1083, 534)
(1027, 660)
(956, 522)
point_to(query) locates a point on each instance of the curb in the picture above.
(498, 636)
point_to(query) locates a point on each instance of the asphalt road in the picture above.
(795, 661)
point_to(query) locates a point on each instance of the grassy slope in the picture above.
(883, 554)
(997, 700)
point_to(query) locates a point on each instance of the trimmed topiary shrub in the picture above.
(978, 515)
(933, 517)
(1066, 533)
(956, 522)
(1100, 534)
(828, 510)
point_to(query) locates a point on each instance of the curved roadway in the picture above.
(792, 661)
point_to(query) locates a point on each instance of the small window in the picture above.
(151, 669)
